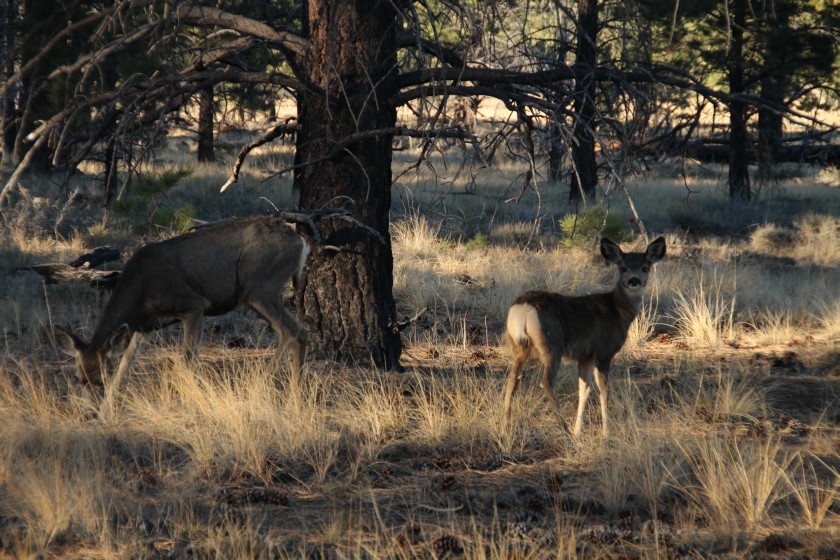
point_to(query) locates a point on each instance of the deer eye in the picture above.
(645, 269)
(623, 269)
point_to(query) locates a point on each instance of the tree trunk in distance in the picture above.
(739, 175)
(585, 172)
(8, 43)
(773, 86)
(205, 125)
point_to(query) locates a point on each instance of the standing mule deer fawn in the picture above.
(208, 271)
(589, 329)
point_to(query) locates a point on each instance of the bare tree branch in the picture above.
(209, 16)
(346, 142)
(277, 131)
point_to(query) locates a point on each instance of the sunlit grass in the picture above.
(815, 492)
(734, 484)
(704, 315)
(414, 464)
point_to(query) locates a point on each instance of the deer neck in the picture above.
(100, 341)
(114, 316)
(627, 303)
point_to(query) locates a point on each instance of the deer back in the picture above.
(581, 327)
(224, 264)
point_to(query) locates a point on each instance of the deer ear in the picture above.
(119, 340)
(67, 341)
(611, 252)
(656, 250)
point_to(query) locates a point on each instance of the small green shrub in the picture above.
(590, 224)
(479, 242)
(147, 201)
(181, 218)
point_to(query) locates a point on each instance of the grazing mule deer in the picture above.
(209, 271)
(589, 329)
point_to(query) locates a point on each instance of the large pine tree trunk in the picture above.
(585, 171)
(346, 290)
(739, 176)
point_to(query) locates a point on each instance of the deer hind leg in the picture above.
(297, 352)
(520, 357)
(289, 332)
(602, 381)
(585, 370)
(550, 366)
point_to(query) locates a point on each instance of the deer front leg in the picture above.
(584, 390)
(112, 386)
(602, 381)
(192, 334)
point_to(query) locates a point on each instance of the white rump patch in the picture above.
(521, 318)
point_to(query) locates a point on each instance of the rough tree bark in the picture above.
(739, 176)
(585, 172)
(346, 289)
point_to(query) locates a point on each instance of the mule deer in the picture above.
(208, 271)
(589, 329)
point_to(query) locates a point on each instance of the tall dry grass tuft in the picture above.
(642, 328)
(234, 421)
(455, 411)
(828, 317)
(814, 239)
(732, 398)
(633, 468)
(234, 539)
(815, 487)
(705, 316)
(53, 465)
(414, 238)
(733, 483)
(774, 327)
(819, 239)
(57, 485)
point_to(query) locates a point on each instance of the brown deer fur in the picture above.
(208, 271)
(588, 329)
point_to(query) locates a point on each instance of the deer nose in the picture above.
(634, 282)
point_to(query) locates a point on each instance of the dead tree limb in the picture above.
(310, 218)
(277, 131)
(400, 326)
(53, 272)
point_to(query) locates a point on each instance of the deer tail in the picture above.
(516, 325)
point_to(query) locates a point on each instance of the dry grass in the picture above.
(724, 401)
(733, 484)
(704, 316)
